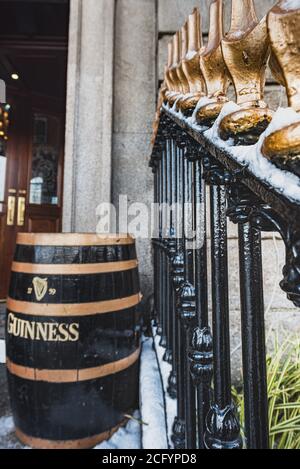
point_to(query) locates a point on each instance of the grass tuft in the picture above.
(283, 370)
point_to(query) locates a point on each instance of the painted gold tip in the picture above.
(212, 64)
(283, 146)
(184, 41)
(190, 72)
(207, 115)
(245, 126)
(276, 70)
(195, 31)
(187, 105)
(172, 77)
(284, 33)
(246, 58)
(246, 51)
(243, 19)
(170, 54)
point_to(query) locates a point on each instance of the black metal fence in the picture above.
(184, 163)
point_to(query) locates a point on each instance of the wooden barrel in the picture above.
(72, 338)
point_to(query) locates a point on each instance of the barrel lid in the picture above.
(73, 239)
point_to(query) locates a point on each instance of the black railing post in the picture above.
(173, 247)
(158, 157)
(167, 234)
(187, 309)
(201, 346)
(162, 290)
(178, 271)
(241, 204)
(206, 417)
(223, 429)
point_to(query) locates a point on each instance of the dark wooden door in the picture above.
(32, 168)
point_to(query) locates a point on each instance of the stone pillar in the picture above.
(88, 147)
(135, 82)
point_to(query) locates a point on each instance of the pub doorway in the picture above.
(33, 64)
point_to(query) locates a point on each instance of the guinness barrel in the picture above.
(72, 338)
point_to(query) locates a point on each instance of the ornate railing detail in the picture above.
(189, 167)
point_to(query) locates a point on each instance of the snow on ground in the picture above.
(2, 351)
(6, 426)
(165, 370)
(284, 182)
(154, 431)
(128, 437)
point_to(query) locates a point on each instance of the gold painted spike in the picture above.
(284, 33)
(213, 68)
(177, 89)
(276, 69)
(176, 59)
(283, 146)
(246, 50)
(167, 80)
(212, 63)
(183, 43)
(191, 63)
(168, 77)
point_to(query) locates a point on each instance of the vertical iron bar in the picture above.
(168, 353)
(223, 430)
(253, 335)
(163, 339)
(178, 436)
(201, 353)
(222, 369)
(159, 259)
(173, 243)
(188, 306)
(155, 239)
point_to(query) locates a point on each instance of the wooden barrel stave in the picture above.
(76, 289)
(60, 409)
(103, 338)
(54, 404)
(74, 255)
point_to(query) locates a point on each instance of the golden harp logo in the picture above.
(40, 286)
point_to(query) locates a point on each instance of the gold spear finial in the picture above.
(246, 51)
(283, 147)
(191, 63)
(213, 67)
(174, 78)
(171, 78)
(168, 77)
(183, 47)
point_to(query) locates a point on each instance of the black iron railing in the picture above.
(184, 164)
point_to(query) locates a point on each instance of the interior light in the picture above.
(15, 76)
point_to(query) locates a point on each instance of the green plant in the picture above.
(283, 367)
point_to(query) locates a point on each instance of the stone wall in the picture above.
(135, 81)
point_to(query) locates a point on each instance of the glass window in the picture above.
(45, 159)
(4, 124)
